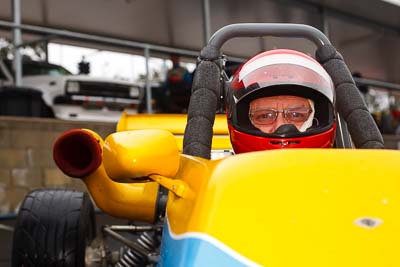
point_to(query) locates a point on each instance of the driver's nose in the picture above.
(279, 121)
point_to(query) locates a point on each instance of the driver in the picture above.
(281, 99)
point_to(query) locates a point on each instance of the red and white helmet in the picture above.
(274, 73)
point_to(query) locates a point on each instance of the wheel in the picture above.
(53, 228)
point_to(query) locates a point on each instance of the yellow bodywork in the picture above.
(124, 153)
(136, 154)
(175, 123)
(130, 201)
(296, 207)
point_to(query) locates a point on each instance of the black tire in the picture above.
(53, 228)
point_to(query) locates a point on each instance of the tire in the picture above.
(53, 228)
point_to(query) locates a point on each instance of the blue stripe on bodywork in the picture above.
(193, 251)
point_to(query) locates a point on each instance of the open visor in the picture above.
(291, 70)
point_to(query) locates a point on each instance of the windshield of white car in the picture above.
(43, 68)
(31, 68)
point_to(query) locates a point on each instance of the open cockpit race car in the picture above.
(190, 204)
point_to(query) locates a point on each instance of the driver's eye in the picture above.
(263, 117)
(266, 115)
(295, 114)
(298, 115)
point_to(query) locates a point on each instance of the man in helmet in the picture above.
(281, 99)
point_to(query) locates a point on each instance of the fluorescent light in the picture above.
(394, 2)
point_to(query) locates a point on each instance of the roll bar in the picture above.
(207, 87)
(268, 29)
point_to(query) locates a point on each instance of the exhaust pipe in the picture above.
(78, 153)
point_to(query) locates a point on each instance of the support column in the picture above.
(148, 88)
(206, 21)
(16, 9)
(324, 22)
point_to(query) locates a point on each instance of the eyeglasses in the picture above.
(269, 116)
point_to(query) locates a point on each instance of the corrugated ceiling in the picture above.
(369, 40)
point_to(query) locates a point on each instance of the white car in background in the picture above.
(76, 97)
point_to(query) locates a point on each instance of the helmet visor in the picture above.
(281, 74)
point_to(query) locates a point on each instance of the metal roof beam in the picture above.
(102, 39)
(329, 11)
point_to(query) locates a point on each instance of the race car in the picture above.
(283, 207)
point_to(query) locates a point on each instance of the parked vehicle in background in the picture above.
(76, 97)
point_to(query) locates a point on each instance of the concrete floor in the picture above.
(6, 235)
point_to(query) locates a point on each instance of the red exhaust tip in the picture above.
(77, 153)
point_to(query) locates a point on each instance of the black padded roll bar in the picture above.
(207, 83)
(349, 102)
(267, 29)
(203, 104)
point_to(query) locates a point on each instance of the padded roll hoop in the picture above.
(349, 102)
(203, 104)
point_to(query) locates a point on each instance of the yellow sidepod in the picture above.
(131, 155)
(297, 207)
(175, 123)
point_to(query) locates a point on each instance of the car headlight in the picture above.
(73, 87)
(133, 91)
